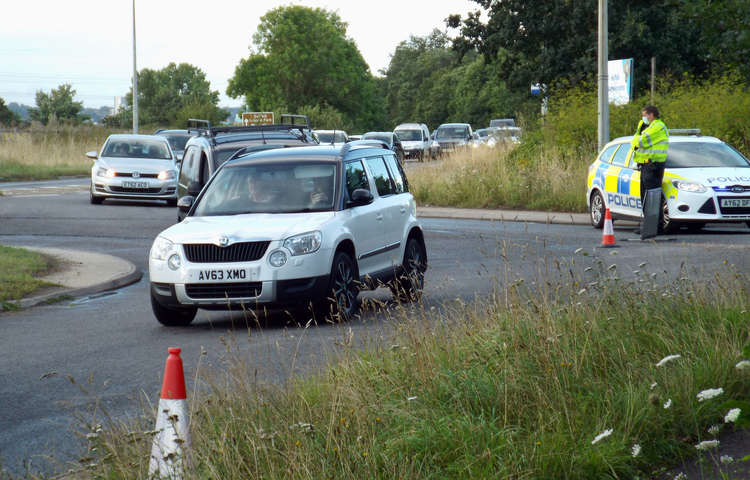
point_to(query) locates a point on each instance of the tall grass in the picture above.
(517, 386)
(540, 179)
(48, 152)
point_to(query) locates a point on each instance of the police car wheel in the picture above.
(666, 225)
(596, 209)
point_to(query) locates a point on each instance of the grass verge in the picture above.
(43, 153)
(546, 384)
(18, 267)
(542, 179)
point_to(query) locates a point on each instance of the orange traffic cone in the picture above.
(608, 234)
(172, 438)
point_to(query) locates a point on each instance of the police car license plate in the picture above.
(127, 184)
(735, 202)
(214, 275)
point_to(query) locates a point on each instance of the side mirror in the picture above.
(361, 196)
(185, 203)
(92, 155)
(193, 189)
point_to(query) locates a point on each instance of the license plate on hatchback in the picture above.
(224, 275)
(127, 184)
(735, 202)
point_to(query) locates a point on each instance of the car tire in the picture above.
(409, 283)
(95, 200)
(666, 224)
(597, 209)
(343, 288)
(171, 317)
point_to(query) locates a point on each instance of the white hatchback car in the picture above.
(134, 167)
(305, 226)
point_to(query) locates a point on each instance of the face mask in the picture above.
(645, 120)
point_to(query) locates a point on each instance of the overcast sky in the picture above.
(88, 43)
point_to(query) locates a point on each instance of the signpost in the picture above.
(620, 81)
(257, 118)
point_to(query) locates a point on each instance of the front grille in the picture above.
(709, 207)
(238, 252)
(734, 210)
(134, 190)
(142, 175)
(223, 290)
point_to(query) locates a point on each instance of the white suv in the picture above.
(308, 226)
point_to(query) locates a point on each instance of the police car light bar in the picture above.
(685, 131)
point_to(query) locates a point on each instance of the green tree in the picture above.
(58, 104)
(7, 116)
(170, 96)
(302, 58)
(557, 39)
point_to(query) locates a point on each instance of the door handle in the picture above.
(379, 216)
(403, 209)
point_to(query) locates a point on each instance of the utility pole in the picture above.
(135, 80)
(603, 76)
(653, 75)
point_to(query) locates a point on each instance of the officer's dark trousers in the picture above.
(652, 175)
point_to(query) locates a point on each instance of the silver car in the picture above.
(134, 167)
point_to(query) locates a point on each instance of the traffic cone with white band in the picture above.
(172, 438)
(608, 234)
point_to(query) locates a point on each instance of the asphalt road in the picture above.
(97, 357)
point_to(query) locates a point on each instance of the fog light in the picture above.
(174, 261)
(277, 258)
(683, 208)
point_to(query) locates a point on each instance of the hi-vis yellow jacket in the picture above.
(652, 144)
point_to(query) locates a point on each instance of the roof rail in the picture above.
(685, 131)
(349, 146)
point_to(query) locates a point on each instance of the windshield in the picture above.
(703, 154)
(325, 137)
(409, 135)
(288, 187)
(177, 142)
(452, 132)
(377, 136)
(140, 148)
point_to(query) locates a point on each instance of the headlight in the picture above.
(174, 261)
(105, 172)
(161, 248)
(686, 186)
(304, 243)
(166, 175)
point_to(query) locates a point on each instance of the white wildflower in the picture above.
(666, 359)
(668, 404)
(653, 385)
(636, 450)
(578, 250)
(680, 476)
(743, 365)
(604, 434)
(732, 415)
(581, 291)
(714, 430)
(707, 444)
(726, 459)
(710, 393)
(411, 398)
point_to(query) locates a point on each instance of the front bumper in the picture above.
(706, 207)
(303, 279)
(130, 188)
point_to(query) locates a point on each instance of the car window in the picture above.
(396, 173)
(607, 154)
(409, 135)
(452, 132)
(356, 177)
(204, 170)
(380, 174)
(704, 154)
(621, 156)
(140, 148)
(189, 164)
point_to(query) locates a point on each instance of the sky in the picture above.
(88, 43)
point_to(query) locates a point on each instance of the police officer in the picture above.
(650, 144)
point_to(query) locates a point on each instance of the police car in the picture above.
(705, 180)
